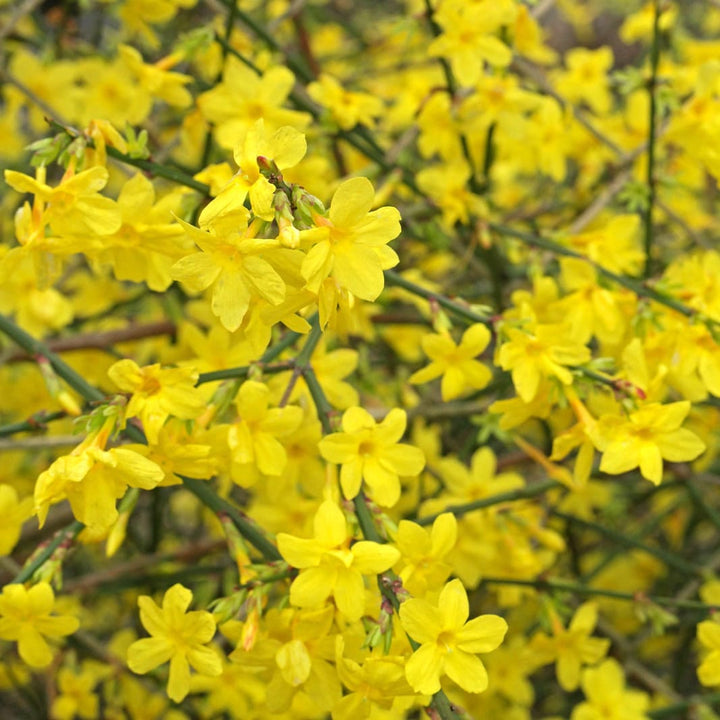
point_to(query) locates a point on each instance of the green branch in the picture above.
(64, 535)
(520, 494)
(680, 564)
(545, 584)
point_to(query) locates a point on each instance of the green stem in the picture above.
(675, 710)
(66, 534)
(650, 177)
(396, 280)
(149, 166)
(35, 423)
(639, 288)
(520, 494)
(671, 560)
(36, 347)
(248, 529)
(581, 589)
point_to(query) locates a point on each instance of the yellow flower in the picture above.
(572, 648)
(25, 616)
(285, 148)
(424, 553)
(76, 696)
(293, 656)
(158, 393)
(146, 245)
(371, 452)
(448, 642)
(329, 565)
(347, 108)
(14, 513)
(178, 636)
(541, 354)
(242, 97)
(92, 479)
(232, 263)
(350, 245)
(456, 363)
(708, 634)
(644, 439)
(607, 697)
(74, 207)
(376, 683)
(467, 38)
(254, 438)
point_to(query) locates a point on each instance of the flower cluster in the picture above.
(388, 341)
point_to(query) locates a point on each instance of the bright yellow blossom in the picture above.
(350, 245)
(330, 565)
(75, 206)
(543, 353)
(607, 698)
(467, 38)
(424, 553)
(370, 451)
(286, 147)
(92, 479)
(26, 617)
(253, 439)
(242, 97)
(178, 636)
(158, 393)
(347, 108)
(233, 264)
(648, 436)
(448, 641)
(573, 647)
(456, 363)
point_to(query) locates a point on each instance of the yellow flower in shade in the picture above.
(541, 354)
(74, 207)
(14, 513)
(178, 636)
(456, 363)
(607, 696)
(329, 565)
(242, 97)
(424, 553)
(92, 479)
(448, 642)
(76, 696)
(374, 684)
(467, 39)
(573, 647)
(646, 438)
(350, 245)
(158, 393)
(253, 439)
(371, 452)
(25, 616)
(347, 108)
(708, 634)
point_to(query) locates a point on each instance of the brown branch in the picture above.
(100, 340)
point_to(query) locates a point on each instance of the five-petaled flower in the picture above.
(178, 636)
(371, 452)
(448, 642)
(329, 565)
(646, 438)
(25, 616)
